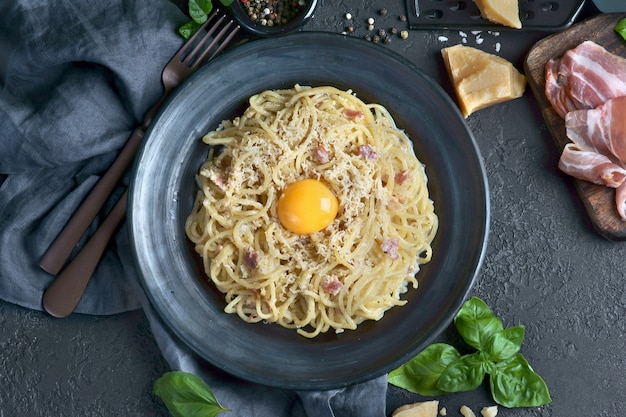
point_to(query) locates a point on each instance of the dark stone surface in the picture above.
(545, 268)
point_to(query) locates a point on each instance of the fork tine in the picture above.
(189, 59)
(216, 41)
(182, 52)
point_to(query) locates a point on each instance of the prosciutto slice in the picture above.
(584, 78)
(602, 129)
(591, 166)
(598, 151)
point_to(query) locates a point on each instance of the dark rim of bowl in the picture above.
(237, 10)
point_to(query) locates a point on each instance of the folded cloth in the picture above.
(76, 77)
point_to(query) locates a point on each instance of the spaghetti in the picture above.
(354, 269)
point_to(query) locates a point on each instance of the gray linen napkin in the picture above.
(76, 76)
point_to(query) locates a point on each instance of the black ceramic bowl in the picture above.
(163, 190)
(238, 11)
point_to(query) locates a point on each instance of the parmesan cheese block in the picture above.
(503, 12)
(423, 409)
(481, 79)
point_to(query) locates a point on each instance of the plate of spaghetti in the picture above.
(322, 221)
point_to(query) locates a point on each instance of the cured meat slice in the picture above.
(620, 200)
(584, 78)
(602, 129)
(591, 166)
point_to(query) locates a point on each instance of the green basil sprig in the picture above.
(198, 11)
(620, 28)
(186, 395)
(441, 369)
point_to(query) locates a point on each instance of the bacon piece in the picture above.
(602, 129)
(322, 154)
(367, 152)
(591, 166)
(584, 78)
(401, 177)
(251, 258)
(332, 285)
(219, 180)
(353, 114)
(390, 247)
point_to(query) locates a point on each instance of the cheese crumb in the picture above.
(443, 411)
(421, 409)
(467, 412)
(489, 411)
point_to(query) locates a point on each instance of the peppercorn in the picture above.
(383, 11)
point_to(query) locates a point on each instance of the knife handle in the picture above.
(63, 295)
(59, 251)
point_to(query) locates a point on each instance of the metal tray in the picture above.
(538, 15)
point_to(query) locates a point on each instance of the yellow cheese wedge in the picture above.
(423, 409)
(481, 79)
(503, 12)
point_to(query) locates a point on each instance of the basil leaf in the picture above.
(464, 374)
(186, 395)
(505, 343)
(199, 9)
(476, 323)
(420, 374)
(226, 2)
(620, 28)
(188, 29)
(515, 384)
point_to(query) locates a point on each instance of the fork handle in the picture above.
(63, 295)
(57, 254)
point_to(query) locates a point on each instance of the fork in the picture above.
(189, 57)
(63, 295)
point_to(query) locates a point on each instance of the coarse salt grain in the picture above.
(443, 38)
(498, 46)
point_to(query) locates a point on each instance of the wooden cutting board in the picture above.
(598, 200)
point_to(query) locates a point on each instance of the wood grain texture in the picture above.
(598, 200)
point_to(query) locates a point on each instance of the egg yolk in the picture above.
(306, 206)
